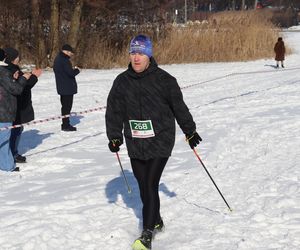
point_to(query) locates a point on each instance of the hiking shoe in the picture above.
(68, 128)
(20, 158)
(16, 169)
(159, 226)
(143, 242)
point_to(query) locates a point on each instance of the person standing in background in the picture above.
(66, 84)
(10, 86)
(25, 112)
(279, 50)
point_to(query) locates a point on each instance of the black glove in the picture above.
(114, 145)
(193, 139)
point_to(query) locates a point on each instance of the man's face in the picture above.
(139, 62)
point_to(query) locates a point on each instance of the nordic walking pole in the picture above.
(128, 187)
(211, 179)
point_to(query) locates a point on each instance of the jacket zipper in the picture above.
(141, 115)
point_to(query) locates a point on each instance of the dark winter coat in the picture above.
(9, 88)
(25, 112)
(279, 50)
(151, 95)
(65, 75)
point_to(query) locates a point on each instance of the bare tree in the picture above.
(243, 4)
(54, 30)
(255, 4)
(75, 24)
(38, 35)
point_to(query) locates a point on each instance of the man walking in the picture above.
(66, 84)
(142, 106)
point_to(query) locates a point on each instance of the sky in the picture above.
(71, 193)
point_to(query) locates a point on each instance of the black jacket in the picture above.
(151, 95)
(65, 75)
(25, 112)
(9, 88)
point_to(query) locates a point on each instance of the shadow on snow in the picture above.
(117, 187)
(65, 145)
(31, 139)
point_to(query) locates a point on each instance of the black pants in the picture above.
(15, 139)
(66, 106)
(148, 174)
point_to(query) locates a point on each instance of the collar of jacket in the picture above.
(152, 67)
(13, 67)
(64, 55)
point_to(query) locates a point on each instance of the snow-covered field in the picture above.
(71, 193)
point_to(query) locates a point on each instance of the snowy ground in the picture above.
(71, 194)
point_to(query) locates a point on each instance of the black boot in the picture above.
(143, 242)
(20, 158)
(68, 128)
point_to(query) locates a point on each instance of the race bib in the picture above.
(141, 129)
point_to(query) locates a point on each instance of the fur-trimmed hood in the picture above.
(3, 63)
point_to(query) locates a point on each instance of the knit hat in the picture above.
(2, 55)
(67, 47)
(11, 54)
(141, 44)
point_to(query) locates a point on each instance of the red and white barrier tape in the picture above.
(104, 107)
(241, 73)
(53, 118)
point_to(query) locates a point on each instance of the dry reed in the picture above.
(225, 36)
(234, 36)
